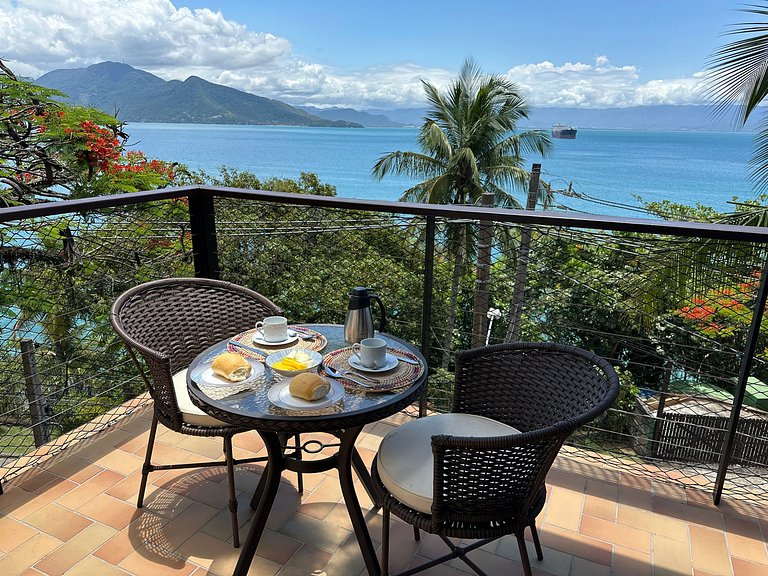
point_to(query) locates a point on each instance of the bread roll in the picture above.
(309, 386)
(231, 366)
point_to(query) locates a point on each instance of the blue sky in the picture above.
(588, 53)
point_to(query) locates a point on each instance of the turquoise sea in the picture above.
(611, 167)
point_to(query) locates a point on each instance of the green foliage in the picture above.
(52, 150)
(468, 143)
(618, 419)
(738, 74)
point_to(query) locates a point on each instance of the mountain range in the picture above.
(134, 95)
(138, 96)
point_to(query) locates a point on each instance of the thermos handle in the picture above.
(383, 317)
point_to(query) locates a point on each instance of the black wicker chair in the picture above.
(489, 486)
(168, 323)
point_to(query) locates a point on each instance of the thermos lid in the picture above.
(359, 298)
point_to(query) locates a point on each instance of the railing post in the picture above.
(37, 408)
(738, 398)
(202, 221)
(660, 408)
(426, 304)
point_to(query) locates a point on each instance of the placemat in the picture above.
(403, 375)
(261, 351)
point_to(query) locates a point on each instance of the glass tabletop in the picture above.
(252, 407)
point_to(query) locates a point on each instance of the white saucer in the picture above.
(207, 377)
(292, 337)
(280, 396)
(391, 363)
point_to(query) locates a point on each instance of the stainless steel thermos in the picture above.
(359, 322)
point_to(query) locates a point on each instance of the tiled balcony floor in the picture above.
(76, 515)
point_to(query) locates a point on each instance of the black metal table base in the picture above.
(281, 459)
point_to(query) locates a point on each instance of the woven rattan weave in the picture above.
(485, 488)
(168, 323)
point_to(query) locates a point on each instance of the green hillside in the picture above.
(138, 96)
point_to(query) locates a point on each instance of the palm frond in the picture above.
(738, 71)
(411, 164)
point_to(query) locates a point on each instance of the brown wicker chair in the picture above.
(489, 486)
(169, 322)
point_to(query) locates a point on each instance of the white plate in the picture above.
(207, 376)
(292, 337)
(391, 363)
(280, 396)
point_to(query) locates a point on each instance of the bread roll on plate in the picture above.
(309, 386)
(231, 366)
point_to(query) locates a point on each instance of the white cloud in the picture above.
(176, 42)
(599, 85)
(150, 34)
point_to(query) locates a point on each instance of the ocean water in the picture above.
(607, 167)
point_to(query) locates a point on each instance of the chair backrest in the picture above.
(546, 391)
(169, 322)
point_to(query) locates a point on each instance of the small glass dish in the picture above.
(315, 358)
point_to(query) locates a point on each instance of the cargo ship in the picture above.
(562, 131)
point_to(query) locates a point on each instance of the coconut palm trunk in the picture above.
(469, 147)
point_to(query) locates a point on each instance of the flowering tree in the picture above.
(50, 150)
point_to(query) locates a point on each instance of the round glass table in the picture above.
(276, 424)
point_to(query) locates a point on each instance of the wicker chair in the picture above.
(514, 405)
(168, 323)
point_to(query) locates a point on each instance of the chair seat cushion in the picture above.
(190, 413)
(405, 461)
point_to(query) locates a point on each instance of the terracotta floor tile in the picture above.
(54, 491)
(90, 488)
(669, 527)
(138, 563)
(709, 550)
(165, 536)
(110, 511)
(743, 567)
(347, 559)
(600, 500)
(120, 462)
(92, 566)
(671, 557)
(27, 554)
(576, 544)
(564, 508)
(210, 552)
(627, 536)
(75, 550)
(58, 521)
(307, 560)
(117, 548)
(555, 562)
(629, 562)
(13, 533)
(34, 479)
(582, 567)
(315, 532)
(745, 540)
(322, 499)
(73, 468)
(629, 523)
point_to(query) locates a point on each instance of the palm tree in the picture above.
(469, 147)
(739, 74)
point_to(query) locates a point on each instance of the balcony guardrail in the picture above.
(676, 307)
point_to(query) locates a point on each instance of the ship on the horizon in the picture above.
(562, 131)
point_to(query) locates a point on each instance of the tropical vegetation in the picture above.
(469, 148)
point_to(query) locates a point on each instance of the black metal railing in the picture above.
(676, 307)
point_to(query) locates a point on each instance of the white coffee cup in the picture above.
(273, 328)
(371, 352)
